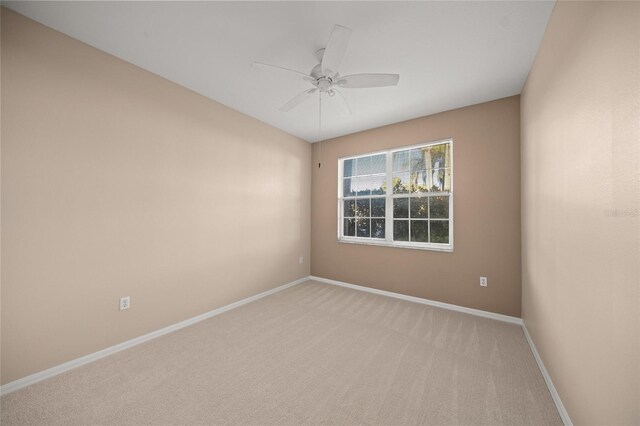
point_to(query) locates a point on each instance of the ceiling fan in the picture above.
(325, 77)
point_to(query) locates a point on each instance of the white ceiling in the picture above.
(448, 54)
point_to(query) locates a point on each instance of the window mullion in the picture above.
(388, 210)
(340, 198)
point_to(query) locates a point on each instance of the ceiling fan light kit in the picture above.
(325, 77)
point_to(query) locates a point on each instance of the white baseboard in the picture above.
(562, 411)
(554, 393)
(62, 368)
(477, 312)
(67, 366)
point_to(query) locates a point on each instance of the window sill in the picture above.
(384, 243)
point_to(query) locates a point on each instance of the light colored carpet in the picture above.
(312, 354)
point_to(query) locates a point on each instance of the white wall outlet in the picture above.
(125, 303)
(483, 281)
(301, 260)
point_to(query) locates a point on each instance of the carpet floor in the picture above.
(312, 354)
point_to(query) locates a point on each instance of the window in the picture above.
(400, 198)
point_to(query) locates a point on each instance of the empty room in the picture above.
(320, 213)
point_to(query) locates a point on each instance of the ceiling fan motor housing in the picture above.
(323, 82)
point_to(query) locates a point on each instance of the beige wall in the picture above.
(581, 208)
(486, 140)
(117, 182)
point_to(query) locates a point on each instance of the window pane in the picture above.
(439, 207)
(378, 207)
(440, 156)
(447, 180)
(411, 186)
(363, 185)
(401, 161)
(401, 230)
(420, 231)
(364, 166)
(417, 159)
(349, 229)
(362, 208)
(362, 228)
(400, 183)
(348, 189)
(348, 168)
(378, 184)
(416, 182)
(438, 180)
(420, 181)
(379, 163)
(420, 207)
(400, 207)
(439, 231)
(349, 208)
(377, 228)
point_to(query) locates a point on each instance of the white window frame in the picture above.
(389, 196)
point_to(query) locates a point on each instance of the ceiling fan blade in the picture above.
(335, 50)
(342, 101)
(298, 99)
(294, 73)
(360, 81)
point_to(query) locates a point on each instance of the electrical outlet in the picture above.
(483, 281)
(125, 303)
(301, 260)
